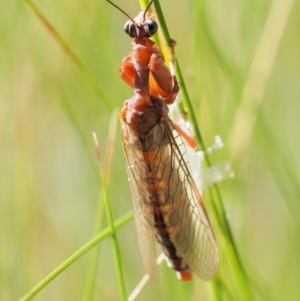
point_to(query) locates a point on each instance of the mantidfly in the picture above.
(168, 207)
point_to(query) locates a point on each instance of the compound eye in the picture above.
(152, 27)
(127, 27)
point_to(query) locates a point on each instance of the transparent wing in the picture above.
(179, 200)
(184, 212)
(140, 193)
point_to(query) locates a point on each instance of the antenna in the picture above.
(147, 8)
(121, 10)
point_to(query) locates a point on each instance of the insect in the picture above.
(168, 207)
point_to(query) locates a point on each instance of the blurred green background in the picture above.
(241, 63)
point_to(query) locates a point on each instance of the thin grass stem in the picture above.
(236, 265)
(92, 268)
(110, 219)
(94, 255)
(259, 73)
(84, 71)
(126, 218)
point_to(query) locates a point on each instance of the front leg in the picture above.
(127, 71)
(138, 58)
(163, 82)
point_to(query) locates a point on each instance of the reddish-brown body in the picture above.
(167, 204)
(144, 69)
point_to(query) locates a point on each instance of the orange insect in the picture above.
(168, 207)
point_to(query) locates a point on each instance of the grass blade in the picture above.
(87, 247)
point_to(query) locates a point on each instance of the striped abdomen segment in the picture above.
(168, 208)
(160, 228)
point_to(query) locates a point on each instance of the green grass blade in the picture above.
(84, 71)
(110, 219)
(281, 167)
(92, 269)
(126, 218)
(241, 285)
(259, 73)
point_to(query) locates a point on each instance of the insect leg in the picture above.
(186, 136)
(172, 69)
(163, 81)
(127, 71)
